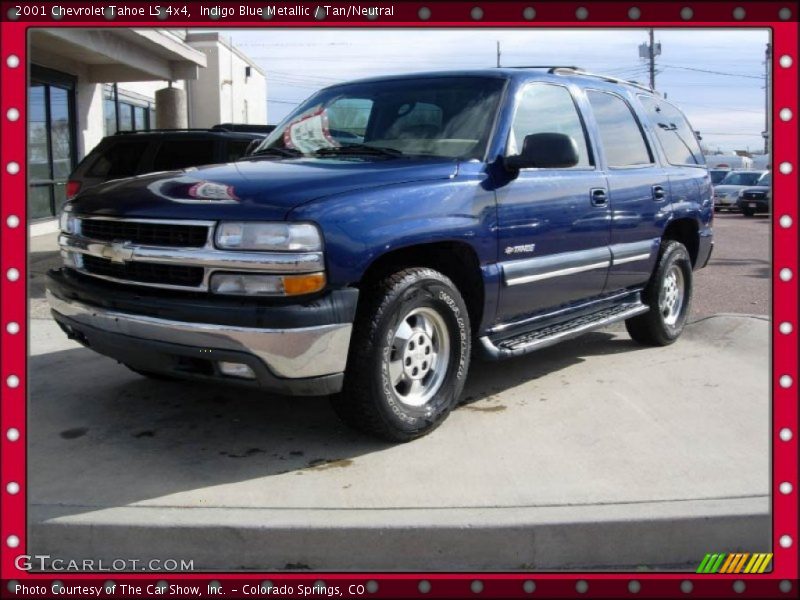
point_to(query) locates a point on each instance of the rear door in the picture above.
(553, 223)
(638, 190)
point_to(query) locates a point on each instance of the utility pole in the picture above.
(767, 116)
(652, 62)
(649, 53)
(498, 54)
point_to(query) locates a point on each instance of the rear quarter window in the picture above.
(180, 154)
(673, 132)
(118, 161)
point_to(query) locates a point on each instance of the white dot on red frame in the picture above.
(785, 328)
(12, 381)
(12, 221)
(12, 328)
(12, 114)
(12, 541)
(12, 168)
(785, 274)
(785, 381)
(785, 168)
(785, 114)
(785, 488)
(785, 541)
(12, 61)
(12, 487)
(785, 221)
(12, 274)
(785, 61)
(785, 434)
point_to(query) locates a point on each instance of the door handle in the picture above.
(658, 193)
(598, 196)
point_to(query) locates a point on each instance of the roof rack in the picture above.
(579, 71)
(550, 68)
(244, 127)
(133, 131)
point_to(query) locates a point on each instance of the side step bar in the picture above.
(553, 334)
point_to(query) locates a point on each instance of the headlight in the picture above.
(245, 284)
(298, 237)
(68, 223)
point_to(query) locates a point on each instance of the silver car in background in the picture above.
(726, 193)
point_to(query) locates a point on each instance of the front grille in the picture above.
(150, 234)
(753, 196)
(145, 272)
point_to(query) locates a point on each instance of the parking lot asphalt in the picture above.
(596, 453)
(737, 278)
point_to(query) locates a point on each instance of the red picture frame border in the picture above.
(781, 581)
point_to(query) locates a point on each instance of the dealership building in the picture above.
(85, 84)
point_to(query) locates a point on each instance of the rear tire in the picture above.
(748, 212)
(408, 358)
(669, 296)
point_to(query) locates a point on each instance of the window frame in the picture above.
(640, 98)
(636, 119)
(519, 97)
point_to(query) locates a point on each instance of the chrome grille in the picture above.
(142, 232)
(172, 275)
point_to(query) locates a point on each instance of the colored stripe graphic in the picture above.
(735, 562)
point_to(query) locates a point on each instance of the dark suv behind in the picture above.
(130, 153)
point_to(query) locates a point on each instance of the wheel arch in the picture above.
(685, 230)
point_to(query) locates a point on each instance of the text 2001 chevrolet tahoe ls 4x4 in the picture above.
(387, 227)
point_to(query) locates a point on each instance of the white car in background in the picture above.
(726, 193)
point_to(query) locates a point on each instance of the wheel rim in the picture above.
(672, 293)
(419, 356)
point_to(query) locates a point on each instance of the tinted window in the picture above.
(673, 131)
(620, 133)
(766, 179)
(717, 176)
(237, 149)
(348, 118)
(120, 160)
(547, 108)
(179, 154)
(741, 178)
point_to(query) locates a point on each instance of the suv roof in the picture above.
(225, 129)
(526, 72)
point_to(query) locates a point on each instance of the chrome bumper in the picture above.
(288, 353)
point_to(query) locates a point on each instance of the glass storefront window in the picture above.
(110, 114)
(51, 140)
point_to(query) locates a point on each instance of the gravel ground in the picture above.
(737, 278)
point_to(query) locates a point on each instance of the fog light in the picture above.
(233, 369)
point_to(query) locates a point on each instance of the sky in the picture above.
(715, 76)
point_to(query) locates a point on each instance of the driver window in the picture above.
(545, 108)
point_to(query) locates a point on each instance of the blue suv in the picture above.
(388, 229)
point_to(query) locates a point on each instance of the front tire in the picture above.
(669, 296)
(748, 212)
(408, 358)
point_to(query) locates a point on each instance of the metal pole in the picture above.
(767, 119)
(498, 54)
(652, 61)
(116, 107)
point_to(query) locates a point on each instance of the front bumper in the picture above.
(308, 358)
(760, 205)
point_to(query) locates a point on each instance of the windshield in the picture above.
(766, 179)
(717, 176)
(443, 116)
(741, 179)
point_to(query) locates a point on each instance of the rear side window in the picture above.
(120, 160)
(620, 132)
(546, 108)
(673, 131)
(237, 149)
(179, 154)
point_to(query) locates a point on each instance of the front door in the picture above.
(553, 223)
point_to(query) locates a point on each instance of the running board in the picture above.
(553, 334)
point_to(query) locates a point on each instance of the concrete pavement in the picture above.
(596, 453)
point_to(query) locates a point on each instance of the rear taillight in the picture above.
(73, 187)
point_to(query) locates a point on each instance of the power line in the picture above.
(714, 72)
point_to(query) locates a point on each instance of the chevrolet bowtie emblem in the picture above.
(118, 252)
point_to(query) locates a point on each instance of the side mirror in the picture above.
(252, 146)
(544, 151)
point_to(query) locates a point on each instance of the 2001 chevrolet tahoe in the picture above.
(389, 227)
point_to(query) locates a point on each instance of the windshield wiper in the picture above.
(358, 149)
(275, 152)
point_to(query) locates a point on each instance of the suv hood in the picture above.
(251, 189)
(727, 189)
